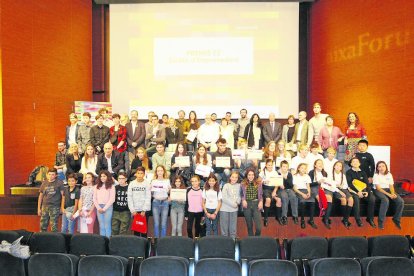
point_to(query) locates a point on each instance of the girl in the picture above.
(287, 194)
(253, 133)
(203, 158)
(141, 160)
(329, 161)
(270, 152)
(252, 201)
(211, 204)
(191, 124)
(269, 192)
(194, 207)
(230, 206)
(318, 176)
(160, 188)
(71, 195)
(86, 204)
(177, 209)
(301, 186)
(338, 178)
(302, 157)
(89, 160)
(384, 190)
(314, 154)
(281, 150)
(139, 197)
(104, 198)
(184, 172)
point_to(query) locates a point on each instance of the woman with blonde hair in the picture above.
(141, 160)
(74, 162)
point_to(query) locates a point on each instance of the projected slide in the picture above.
(207, 57)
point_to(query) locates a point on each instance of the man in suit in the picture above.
(154, 134)
(302, 134)
(135, 135)
(110, 160)
(72, 130)
(272, 130)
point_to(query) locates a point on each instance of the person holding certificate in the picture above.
(160, 188)
(270, 187)
(177, 206)
(252, 201)
(191, 124)
(202, 163)
(319, 176)
(181, 163)
(222, 162)
(211, 204)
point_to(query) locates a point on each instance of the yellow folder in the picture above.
(359, 185)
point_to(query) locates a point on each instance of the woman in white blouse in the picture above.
(89, 161)
(384, 191)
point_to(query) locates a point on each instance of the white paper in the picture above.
(223, 162)
(182, 161)
(83, 225)
(275, 181)
(238, 154)
(192, 134)
(254, 154)
(178, 194)
(203, 170)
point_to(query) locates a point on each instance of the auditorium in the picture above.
(206, 137)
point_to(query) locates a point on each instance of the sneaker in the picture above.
(397, 223)
(312, 224)
(295, 220)
(302, 224)
(372, 223)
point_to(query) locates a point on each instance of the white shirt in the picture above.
(90, 166)
(160, 188)
(298, 160)
(312, 158)
(328, 165)
(227, 133)
(384, 181)
(256, 133)
(208, 133)
(301, 181)
(134, 126)
(72, 135)
(337, 181)
(212, 197)
(266, 175)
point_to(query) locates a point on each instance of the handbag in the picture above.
(139, 224)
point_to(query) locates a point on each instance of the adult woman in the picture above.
(330, 135)
(354, 132)
(384, 191)
(74, 162)
(191, 124)
(227, 132)
(289, 129)
(103, 199)
(176, 170)
(252, 201)
(141, 160)
(253, 132)
(124, 119)
(118, 134)
(89, 161)
(172, 133)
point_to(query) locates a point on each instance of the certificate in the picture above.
(171, 147)
(280, 159)
(329, 186)
(238, 154)
(178, 194)
(223, 162)
(254, 154)
(276, 181)
(182, 161)
(203, 170)
(192, 134)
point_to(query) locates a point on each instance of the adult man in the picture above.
(149, 123)
(99, 133)
(317, 122)
(164, 120)
(106, 117)
(242, 123)
(60, 160)
(154, 134)
(50, 201)
(272, 130)
(72, 130)
(301, 135)
(135, 135)
(181, 120)
(84, 132)
(222, 173)
(110, 160)
(208, 134)
(214, 117)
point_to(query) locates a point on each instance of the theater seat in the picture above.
(389, 245)
(217, 266)
(390, 266)
(10, 265)
(348, 247)
(47, 242)
(335, 266)
(175, 246)
(46, 264)
(216, 247)
(164, 266)
(88, 244)
(102, 265)
(254, 248)
(272, 267)
(9, 236)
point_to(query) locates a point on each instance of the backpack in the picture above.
(38, 175)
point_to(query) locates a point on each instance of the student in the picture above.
(50, 201)
(160, 188)
(160, 158)
(177, 209)
(202, 158)
(270, 151)
(222, 174)
(268, 194)
(121, 216)
(89, 160)
(314, 154)
(230, 206)
(384, 191)
(302, 157)
(86, 205)
(366, 159)
(318, 176)
(301, 186)
(104, 198)
(211, 204)
(194, 207)
(184, 172)
(341, 191)
(60, 160)
(329, 161)
(366, 194)
(252, 201)
(71, 195)
(141, 160)
(139, 197)
(243, 163)
(287, 194)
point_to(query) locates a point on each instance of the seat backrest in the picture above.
(335, 266)
(348, 247)
(102, 265)
(308, 248)
(389, 245)
(10, 265)
(47, 242)
(390, 266)
(9, 236)
(127, 246)
(254, 248)
(88, 244)
(164, 266)
(272, 267)
(45, 264)
(216, 247)
(175, 246)
(217, 266)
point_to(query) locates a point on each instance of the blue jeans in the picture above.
(68, 224)
(211, 225)
(223, 177)
(160, 209)
(105, 221)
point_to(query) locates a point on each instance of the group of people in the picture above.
(208, 173)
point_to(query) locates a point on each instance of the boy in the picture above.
(221, 173)
(329, 161)
(121, 216)
(287, 194)
(50, 202)
(71, 194)
(366, 159)
(60, 160)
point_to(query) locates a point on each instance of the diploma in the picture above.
(203, 170)
(171, 147)
(275, 181)
(223, 162)
(178, 194)
(192, 134)
(254, 154)
(280, 159)
(238, 154)
(182, 161)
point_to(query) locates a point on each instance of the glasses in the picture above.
(121, 178)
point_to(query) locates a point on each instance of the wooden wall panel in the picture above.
(361, 60)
